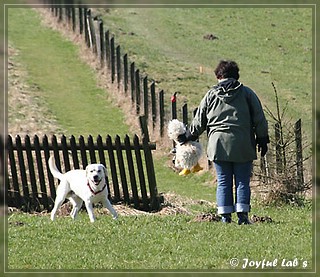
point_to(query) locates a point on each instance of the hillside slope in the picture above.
(179, 48)
(61, 79)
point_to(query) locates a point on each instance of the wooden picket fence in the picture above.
(136, 88)
(31, 186)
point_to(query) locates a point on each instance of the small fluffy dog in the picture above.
(188, 153)
(78, 185)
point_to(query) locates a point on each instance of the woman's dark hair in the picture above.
(227, 69)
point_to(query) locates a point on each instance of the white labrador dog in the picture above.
(78, 185)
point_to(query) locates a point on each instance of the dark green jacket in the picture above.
(233, 117)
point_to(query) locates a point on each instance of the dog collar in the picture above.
(96, 192)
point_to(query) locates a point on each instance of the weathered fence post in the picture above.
(174, 106)
(142, 179)
(153, 105)
(83, 153)
(73, 16)
(174, 111)
(65, 153)
(113, 169)
(154, 200)
(185, 114)
(74, 153)
(132, 176)
(54, 144)
(22, 169)
(86, 28)
(118, 53)
(144, 127)
(102, 43)
(92, 153)
(161, 112)
(299, 157)
(60, 13)
(100, 150)
(68, 13)
(42, 180)
(107, 48)
(123, 177)
(45, 145)
(15, 184)
(138, 92)
(103, 161)
(132, 82)
(92, 33)
(80, 9)
(125, 73)
(54, 9)
(145, 98)
(112, 59)
(149, 164)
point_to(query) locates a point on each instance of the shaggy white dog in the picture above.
(188, 153)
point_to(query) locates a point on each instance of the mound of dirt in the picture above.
(210, 37)
(261, 219)
(206, 217)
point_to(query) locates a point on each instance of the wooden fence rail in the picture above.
(31, 186)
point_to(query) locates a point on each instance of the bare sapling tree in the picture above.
(282, 169)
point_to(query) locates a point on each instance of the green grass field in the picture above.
(270, 45)
(155, 242)
(136, 242)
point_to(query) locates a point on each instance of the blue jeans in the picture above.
(226, 173)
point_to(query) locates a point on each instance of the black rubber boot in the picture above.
(243, 218)
(226, 218)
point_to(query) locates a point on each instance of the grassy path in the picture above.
(66, 84)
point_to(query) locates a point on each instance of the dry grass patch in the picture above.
(27, 114)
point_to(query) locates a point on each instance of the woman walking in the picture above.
(233, 118)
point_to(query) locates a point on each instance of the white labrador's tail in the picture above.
(54, 170)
